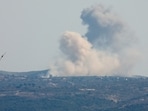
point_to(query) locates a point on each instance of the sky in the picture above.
(30, 30)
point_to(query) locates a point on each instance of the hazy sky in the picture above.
(30, 29)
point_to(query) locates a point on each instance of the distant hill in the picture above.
(29, 74)
(32, 91)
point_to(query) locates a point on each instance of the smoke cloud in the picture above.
(106, 48)
(106, 30)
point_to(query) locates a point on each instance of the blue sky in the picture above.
(30, 29)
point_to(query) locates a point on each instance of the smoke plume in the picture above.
(106, 48)
(106, 30)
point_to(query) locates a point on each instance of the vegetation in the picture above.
(31, 92)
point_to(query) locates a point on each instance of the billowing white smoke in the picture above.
(103, 51)
(82, 59)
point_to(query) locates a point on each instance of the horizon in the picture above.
(48, 74)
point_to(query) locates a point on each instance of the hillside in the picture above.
(29, 91)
